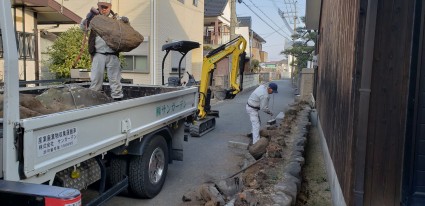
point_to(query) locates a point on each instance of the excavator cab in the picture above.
(183, 47)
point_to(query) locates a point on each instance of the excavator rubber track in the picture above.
(200, 127)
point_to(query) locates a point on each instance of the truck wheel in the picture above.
(118, 169)
(147, 172)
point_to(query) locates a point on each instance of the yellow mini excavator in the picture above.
(205, 117)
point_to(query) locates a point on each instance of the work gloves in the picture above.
(93, 12)
(269, 113)
(124, 19)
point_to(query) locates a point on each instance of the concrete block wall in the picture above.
(221, 80)
(251, 80)
(306, 83)
(265, 77)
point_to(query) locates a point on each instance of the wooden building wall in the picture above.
(388, 102)
(335, 84)
(341, 50)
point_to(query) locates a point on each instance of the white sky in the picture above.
(268, 11)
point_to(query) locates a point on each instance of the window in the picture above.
(181, 1)
(27, 50)
(175, 59)
(1, 45)
(136, 64)
(26, 45)
(195, 2)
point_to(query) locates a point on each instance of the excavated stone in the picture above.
(210, 193)
(288, 188)
(293, 168)
(71, 97)
(281, 199)
(259, 148)
(300, 141)
(298, 148)
(230, 186)
(119, 36)
(290, 178)
(300, 160)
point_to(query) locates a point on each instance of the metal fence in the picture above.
(223, 37)
(25, 43)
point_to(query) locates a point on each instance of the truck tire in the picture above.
(118, 169)
(147, 172)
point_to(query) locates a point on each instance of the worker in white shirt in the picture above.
(259, 100)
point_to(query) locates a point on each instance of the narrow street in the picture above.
(209, 157)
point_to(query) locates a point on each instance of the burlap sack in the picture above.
(121, 37)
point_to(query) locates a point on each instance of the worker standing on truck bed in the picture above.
(259, 100)
(102, 55)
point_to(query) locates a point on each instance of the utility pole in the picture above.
(291, 12)
(295, 17)
(233, 20)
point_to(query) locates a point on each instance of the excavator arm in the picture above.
(236, 48)
(205, 118)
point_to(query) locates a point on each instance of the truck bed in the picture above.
(50, 143)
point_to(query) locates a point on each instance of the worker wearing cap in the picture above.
(259, 100)
(102, 55)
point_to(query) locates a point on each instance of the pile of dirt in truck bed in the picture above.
(56, 100)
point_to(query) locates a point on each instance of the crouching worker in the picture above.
(259, 100)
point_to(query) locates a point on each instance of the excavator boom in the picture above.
(206, 117)
(236, 48)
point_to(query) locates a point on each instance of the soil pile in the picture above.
(56, 100)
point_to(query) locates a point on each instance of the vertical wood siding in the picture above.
(388, 102)
(337, 52)
(341, 47)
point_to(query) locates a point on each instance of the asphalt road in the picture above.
(209, 157)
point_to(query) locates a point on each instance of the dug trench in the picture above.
(273, 170)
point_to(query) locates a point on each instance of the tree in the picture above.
(64, 52)
(300, 48)
(255, 66)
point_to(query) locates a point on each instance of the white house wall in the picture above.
(29, 28)
(174, 21)
(225, 17)
(182, 22)
(244, 31)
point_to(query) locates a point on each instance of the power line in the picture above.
(269, 17)
(264, 21)
(282, 15)
(273, 45)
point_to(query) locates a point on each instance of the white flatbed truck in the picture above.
(119, 145)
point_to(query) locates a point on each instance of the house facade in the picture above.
(254, 41)
(216, 22)
(217, 32)
(29, 16)
(160, 22)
